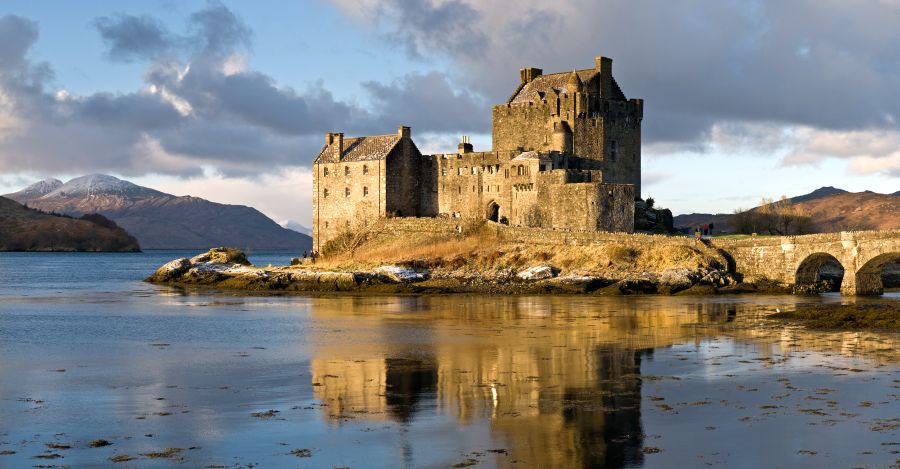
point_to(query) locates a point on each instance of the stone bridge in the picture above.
(799, 259)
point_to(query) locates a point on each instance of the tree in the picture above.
(781, 217)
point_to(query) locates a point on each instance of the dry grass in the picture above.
(483, 252)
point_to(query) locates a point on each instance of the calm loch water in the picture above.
(199, 379)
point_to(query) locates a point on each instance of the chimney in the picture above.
(603, 65)
(329, 138)
(529, 73)
(465, 146)
(403, 131)
(338, 139)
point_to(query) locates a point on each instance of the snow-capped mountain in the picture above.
(159, 220)
(39, 189)
(100, 185)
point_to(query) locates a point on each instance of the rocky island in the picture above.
(480, 260)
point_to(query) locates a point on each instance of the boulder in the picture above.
(540, 272)
(222, 256)
(678, 279)
(629, 287)
(171, 270)
(399, 273)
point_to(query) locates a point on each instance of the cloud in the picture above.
(825, 64)
(130, 38)
(200, 107)
(430, 102)
(422, 27)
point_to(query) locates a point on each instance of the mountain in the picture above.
(163, 221)
(24, 229)
(819, 193)
(831, 210)
(296, 226)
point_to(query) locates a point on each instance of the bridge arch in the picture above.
(820, 266)
(868, 279)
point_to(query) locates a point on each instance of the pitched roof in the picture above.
(376, 147)
(536, 89)
(533, 155)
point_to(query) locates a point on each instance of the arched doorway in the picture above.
(493, 211)
(821, 270)
(871, 278)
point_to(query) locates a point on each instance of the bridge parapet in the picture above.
(793, 259)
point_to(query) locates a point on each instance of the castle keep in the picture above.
(567, 156)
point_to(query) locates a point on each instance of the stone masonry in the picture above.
(567, 156)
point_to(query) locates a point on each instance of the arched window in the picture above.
(325, 172)
(346, 192)
(346, 170)
(365, 169)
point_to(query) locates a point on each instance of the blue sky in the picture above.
(230, 100)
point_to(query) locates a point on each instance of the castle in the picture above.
(567, 156)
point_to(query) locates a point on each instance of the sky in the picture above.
(230, 100)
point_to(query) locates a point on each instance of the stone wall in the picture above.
(403, 179)
(351, 194)
(789, 259)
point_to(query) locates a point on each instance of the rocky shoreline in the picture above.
(227, 268)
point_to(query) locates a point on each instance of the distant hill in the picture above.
(295, 226)
(25, 229)
(831, 210)
(159, 220)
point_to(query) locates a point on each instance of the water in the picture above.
(90, 352)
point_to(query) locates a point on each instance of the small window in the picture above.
(543, 167)
(326, 224)
(365, 169)
(365, 191)
(443, 171)
(325, 172)
(474, 169)
(459, 171)
(346, 192)
(346, 170)
(325, 194)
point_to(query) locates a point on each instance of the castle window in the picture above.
(365, 191)
(325, 172)
(459, 189)
(459, 171)
(365, 169)
(474, 169)
(325, 194)
(326, 224)
(443, 171)
(346, 192)
(346, 170)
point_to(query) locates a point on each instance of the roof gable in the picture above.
(369, 148)
(541, 86)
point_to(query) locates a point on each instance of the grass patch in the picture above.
(845, 317)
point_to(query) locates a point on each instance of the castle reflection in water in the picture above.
(559, 379)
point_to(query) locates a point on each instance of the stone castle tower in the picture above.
(567, 156)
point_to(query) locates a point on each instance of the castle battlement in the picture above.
(566, 155)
